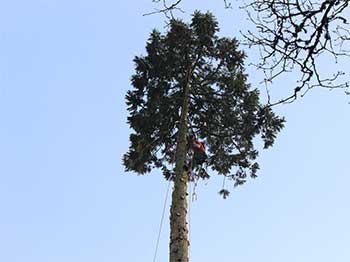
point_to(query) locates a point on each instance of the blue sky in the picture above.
(64, 196)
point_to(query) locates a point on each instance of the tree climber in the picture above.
(199, 154)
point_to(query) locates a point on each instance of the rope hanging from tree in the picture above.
(161, 222)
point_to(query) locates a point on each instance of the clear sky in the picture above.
(64, 196)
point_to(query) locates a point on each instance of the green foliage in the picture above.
(224, 111)
(224, 193)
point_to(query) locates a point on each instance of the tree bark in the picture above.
(178, 226)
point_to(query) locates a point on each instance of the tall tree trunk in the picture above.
(178, 226)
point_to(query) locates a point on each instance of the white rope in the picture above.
(161, 222)
(189, 220)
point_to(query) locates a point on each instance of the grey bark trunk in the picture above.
(178, 226)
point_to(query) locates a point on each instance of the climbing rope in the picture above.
(161, 222)
(223, 182)
(194, 194)
(189, 219)
(191, 197)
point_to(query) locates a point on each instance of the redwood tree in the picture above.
(192, 80)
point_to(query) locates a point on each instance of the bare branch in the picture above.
(297, 34)
(167, 8)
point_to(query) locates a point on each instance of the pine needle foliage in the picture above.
(224, 111)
